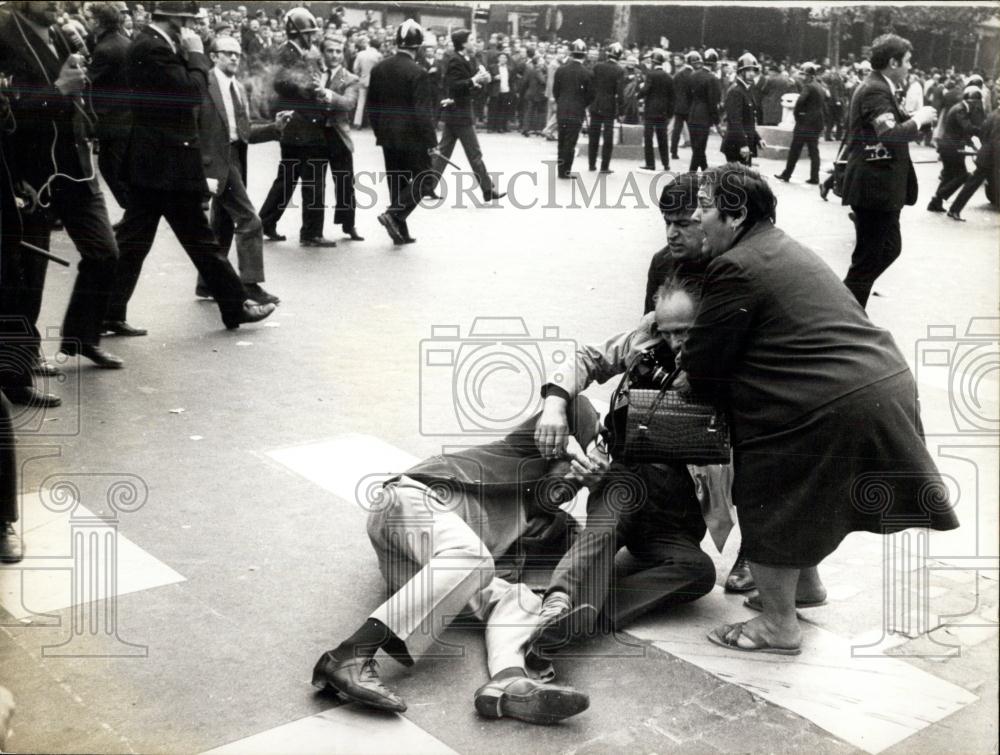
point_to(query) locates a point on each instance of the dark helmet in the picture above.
(409, 35)
(975, 80)
(578, 49)
(300, 21)
(659, 57)
(711, 56)
(808, 69)
(615, 51)
(181, 8)
(693, 57)
(972, 92)
(747, 60)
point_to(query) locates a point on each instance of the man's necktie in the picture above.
(242, 122)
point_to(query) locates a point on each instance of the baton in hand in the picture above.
(43, 253)
(433, 152)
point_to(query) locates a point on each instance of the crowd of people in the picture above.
(173, 96)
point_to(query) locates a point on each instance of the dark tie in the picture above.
(242, 122)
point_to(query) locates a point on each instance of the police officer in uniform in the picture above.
(303, 142)
(609, 91)
(682, 99)
(705, 97)
(658, 93)
(742, 140)
(962, 122)
(808, 126)
(572, 88)
(400, 111)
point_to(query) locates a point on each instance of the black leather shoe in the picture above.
(494, 196)
(591, 168)
(781, 177)
(249, 313)
(103, 359)
(122, 328)
(813, 181)
(318, 241)
(607, 171)
(740, 578)
(409, 240)
(936, 205)
(824, 190)
(357, 680)
(259, 295)
(28, 395)
(45, 369)
(392, 227)
(202, 292)
(647, 168)
(955, 216)
(529, 700)
(353, 234)
(11, 545)
(271, 234)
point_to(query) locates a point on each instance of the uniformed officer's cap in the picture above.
(972, 93)
(747, 60)
(578, 49)
(300, 21)
(711, 56)
(693, 57)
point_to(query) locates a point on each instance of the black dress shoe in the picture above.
(607, 171)
(392, 227)
(529, 700)
(318, 241)
(353, 234)
(936, 205)
(740, 577)
(103, 359)
(408, 240)
(11, 545)
(122, 328)
(28, 395)
(202, 292)
(259, 295)
(955, 216)
(44, 369)
(813, 181)
(591, 168)
(824, 190)
(492, 197)
(647, 168)
(781, 177)
(357, 680)
(249, 313)
(271, 234)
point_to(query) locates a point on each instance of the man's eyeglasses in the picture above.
(231, 54)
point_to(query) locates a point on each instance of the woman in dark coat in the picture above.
(825, 426)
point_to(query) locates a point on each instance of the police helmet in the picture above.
(808, 69)
(747, 60)
(972, 92)
(300, 21)
(711, 56)
(693, 57)
(179, 8)
(615, 51)
(578, 49)
(409, 35)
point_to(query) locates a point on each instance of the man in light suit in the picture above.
(338, 91)
(366, 59)
(225, 133)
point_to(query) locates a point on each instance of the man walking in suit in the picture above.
(303, 142)
(658, 93)
(462, 78)
(742, 140)
(609, 91)
(879, 177)
(705, 98)
(401, 117)
(573, 90)
(225, 134)
(808, 126)
(682, 99)
(339, 93)
(366, 59)
(168, 76)
(50, 163)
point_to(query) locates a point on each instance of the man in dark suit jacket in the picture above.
(879, 177)
(225, 134)
(961, 123)
(987, 165)
(110, 89)
(573, 90)
(682, 100)
(658, 93)
(401, 117)
(808, 126)
(48, 81)
(705, 98)
(462, 78)
(168, 76)
(303, 142)
(741, 140)
(609, 90)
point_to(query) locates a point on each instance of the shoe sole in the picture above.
(544, 705)
(385, 223)
(321, 683)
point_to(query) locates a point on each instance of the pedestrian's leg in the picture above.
(474, 154)
(236, 204)
(647, 145)
(135, 236)
(282, 188)
(813, 146)
(793, 156)
(663, 144)
(608, 128)
(972, 184)
(594, 137)
(313, 194)
(675, 136)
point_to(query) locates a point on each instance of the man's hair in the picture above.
(219, 42)
(459, 38)
(736, 187)
(107, 16)
(674, 284)
(680, 195)
(887, 48)
(334, 37)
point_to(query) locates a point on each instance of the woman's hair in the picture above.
(737, 188)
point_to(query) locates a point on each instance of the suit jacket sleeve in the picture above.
(878, 109)
(456, 76)
(557, 83)
(718, 337)
(347, 101)
(184, 80)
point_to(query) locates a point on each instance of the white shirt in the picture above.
(504, 80)
(227, 100)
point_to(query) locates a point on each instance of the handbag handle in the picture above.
(663, 392)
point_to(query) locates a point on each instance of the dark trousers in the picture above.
(601, 126)
(675, 134)
(971, 185)
(410, 176)
(569, 132)
(699, 145)
(654, 513)
(833, 122)
(811, 143)
(659, 128)
(534, 116)
(732, 154)
(233, 213)
(111, 161)
(8, 466)
(298, 163)
(953, 173)
(85, 218)
(183, 211)
(341, 161)
(500, 110)
(878, 244)
(466, 134)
